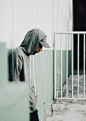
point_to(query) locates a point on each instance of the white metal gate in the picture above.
(72, 67)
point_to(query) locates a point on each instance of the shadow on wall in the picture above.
(9, 63)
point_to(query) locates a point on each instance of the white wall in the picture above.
(63, 15)
(17, 17)
(20, 16)
(62, 22)
(6, 22)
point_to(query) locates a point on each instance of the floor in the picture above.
(69, 110)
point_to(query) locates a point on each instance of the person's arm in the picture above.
(15, 66)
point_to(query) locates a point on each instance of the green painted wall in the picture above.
(44, 80)
(14, 96)
(64, 67)
(44, 76)
(3, 63)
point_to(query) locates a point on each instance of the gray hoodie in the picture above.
(19, 62)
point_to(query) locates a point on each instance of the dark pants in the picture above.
(34, 116)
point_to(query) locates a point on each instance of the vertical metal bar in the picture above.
(72, 13)
(78, 65)
(61, 62)
(67, 69)
(84, 66)
(72, 65)
(54, 67)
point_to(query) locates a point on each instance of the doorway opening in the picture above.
(79, 24)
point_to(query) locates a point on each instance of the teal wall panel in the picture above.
(64, 66)
(3, 63)
(44, 80)
(14, 98)
(44, 76)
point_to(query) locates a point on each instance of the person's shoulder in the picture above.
(17, 52)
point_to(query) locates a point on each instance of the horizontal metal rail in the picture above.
(72, 32)
(72, 98)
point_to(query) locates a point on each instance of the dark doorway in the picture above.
(79, 24)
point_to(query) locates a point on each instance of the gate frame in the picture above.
(55, 86)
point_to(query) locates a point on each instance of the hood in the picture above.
(31, 40)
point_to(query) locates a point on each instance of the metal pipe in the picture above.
(84, 67)
(54, 67)
(78, 65)
(72, 65)
(71, 98)
(58, 72)
(61, 67)
(72, 32)
(67, 69)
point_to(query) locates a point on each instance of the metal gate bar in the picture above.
(72, 65)
(67, 69)
(55, 96)
(61, 65)
(84, 66)
(78, 65)
(67, 33)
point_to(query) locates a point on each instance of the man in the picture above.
(19, 67)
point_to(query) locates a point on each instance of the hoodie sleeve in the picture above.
(15, 66)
